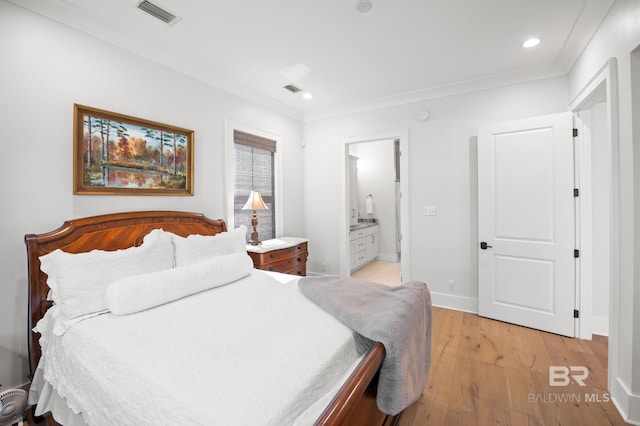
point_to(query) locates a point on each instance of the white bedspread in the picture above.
(253, 352)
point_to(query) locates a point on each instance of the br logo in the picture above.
(560, 375)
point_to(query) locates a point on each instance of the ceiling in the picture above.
(400, 51)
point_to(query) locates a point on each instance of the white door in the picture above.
(526, 223)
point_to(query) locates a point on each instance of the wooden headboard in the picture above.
(105, 232)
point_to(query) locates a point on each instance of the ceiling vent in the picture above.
(158, 12)
(292, 88)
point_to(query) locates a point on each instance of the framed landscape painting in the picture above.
(119, 154)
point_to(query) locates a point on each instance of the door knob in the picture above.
(484, 245)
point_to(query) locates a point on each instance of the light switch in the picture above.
(429, 211)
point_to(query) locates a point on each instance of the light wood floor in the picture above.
(379, 271)
(485, 372)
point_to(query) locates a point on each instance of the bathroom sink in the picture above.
(362, 225)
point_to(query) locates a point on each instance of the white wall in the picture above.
(618, 37)
(46, 68)
(376, 176)
(442, 173)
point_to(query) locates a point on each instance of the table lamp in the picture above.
(254, 203)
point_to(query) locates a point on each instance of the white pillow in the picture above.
(78, 281)
(196, 248)
(141, 292)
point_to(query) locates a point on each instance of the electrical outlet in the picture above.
(451, 284)
(429, 211)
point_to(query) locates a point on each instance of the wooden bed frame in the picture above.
(353, 405)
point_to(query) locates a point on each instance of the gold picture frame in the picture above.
(116, 154)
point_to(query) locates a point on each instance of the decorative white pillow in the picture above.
(78, 281)
(140, 292)
(196, 248)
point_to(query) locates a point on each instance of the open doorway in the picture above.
(598, 101)
(598, 203)
(373, 185)
(593, 158)
(375, 206)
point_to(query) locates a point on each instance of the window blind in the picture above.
(254, 141)
(254, 169)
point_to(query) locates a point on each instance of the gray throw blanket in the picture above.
(398, 317)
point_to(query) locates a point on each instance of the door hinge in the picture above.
(576, 313)
(576, 253)
(575, 133)
(576, 192)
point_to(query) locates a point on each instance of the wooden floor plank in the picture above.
(519, 383)
(486, 372)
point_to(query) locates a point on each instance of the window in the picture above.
(254, 167)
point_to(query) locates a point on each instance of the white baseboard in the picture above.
(451, 301)
(627, 404)
(600, 325)
(388, 257)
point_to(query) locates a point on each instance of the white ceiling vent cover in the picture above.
(158, 12)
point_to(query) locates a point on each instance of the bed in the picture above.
(351, 400)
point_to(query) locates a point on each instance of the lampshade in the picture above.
(255, 202)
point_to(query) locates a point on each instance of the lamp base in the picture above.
(255, 240)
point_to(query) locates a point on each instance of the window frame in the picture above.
(230, 126)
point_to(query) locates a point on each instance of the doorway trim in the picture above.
(605, 77)
(403, 136)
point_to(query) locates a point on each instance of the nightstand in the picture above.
(286, 254)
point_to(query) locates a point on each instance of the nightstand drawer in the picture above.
(277, 255)
(286, 264)
(288, 260)
(300, 270)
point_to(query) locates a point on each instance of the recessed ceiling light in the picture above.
(531, 42)
(307, 95)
